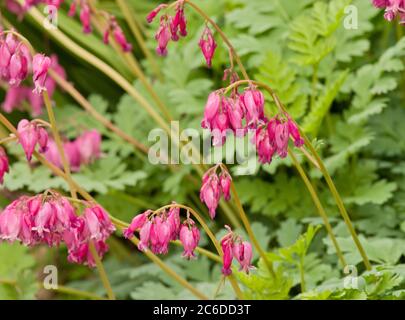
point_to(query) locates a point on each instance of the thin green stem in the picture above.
(58, 140)
(101, 271)
(318, 206)
(339, 202)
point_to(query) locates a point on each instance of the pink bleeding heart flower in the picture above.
(163, 37)
(281, 139)
(189, 237)
(179, 21)
(85, 18)
(227, 249)
(253, 101)
(220, 128)
(119, 36)
(160, 235)
(42, 139)
(210, 193)
(136, 223)
(4, 168)
(208, 45)
(18, 66)
(173, 217)
(264, 142)
(98, 223)
(10, 222)
(27, 136)
(235, 113)
(243, 254)
(144, 236)
(42, 218)
(211, 109)
(40, 66)
(225, 181)
(295, 133)
(151, 16)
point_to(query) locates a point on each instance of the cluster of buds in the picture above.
(240, 113)
(157, 229)
(15, 59)
(170, 28)
(3, 164)
(16, 63)
(393, 9)
(272, 137)
(16, 96)
(119, 36)
(213, 187)
(50, 219)
(31, 134)
(84, 15)
(82, 151)
(233, 246)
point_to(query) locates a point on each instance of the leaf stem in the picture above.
(318, 206)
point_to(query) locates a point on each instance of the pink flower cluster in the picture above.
(31, 134)
(16, 63)
(171, 28)
(16, 96)
(393, 9)
(213, 187)
(242, 112)
(174, 27)
(234, 247)
(51, 219)
(3, 164)
(82, 151)
(156, 230)
(119, 36)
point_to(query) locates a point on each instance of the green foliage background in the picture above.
(344, 87)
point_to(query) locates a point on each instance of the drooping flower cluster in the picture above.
(16, 63)
(240, 113)
(15, 59)
(31, 134)
(82, 151)
(174, 27)
(119, 36)
(157, 229)
(170, 28)
(393, 9)
(51, 219)
(3, 164)
(233, 246)
(213, 187)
